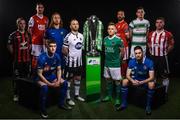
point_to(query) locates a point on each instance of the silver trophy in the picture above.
(93, 51)
(92, 33)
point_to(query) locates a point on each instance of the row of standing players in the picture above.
(160, 42)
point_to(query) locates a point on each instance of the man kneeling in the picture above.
(49, 75)
(140, 72)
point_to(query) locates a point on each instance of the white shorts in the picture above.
(37, 50)
(114, 73)
(132, 55)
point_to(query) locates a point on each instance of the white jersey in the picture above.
(74, 43)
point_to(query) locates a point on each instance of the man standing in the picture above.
(57, 33)
(37, 25)
(49, 76)
(112, 70)
(139, 29)
(123, 33)
(160, 43)
(140, 73)
(19, 46)
(72, 49)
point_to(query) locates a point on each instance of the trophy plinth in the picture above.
(93, 51)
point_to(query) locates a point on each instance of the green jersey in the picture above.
(112, 51)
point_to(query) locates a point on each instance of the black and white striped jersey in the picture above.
(74, 43)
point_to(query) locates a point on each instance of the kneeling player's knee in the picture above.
(65, 83)
(151, 85)
(44, 88)
(125, 82)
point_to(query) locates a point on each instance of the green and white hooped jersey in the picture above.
(139, 28)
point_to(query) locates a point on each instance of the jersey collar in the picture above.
(121, 21)
(111, 37)
(159, 32)
(39, 16)
(142, 61)
(49, 56)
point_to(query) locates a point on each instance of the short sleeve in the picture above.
(58, 63)
(40, 63)
(126, 28)
(131, 25)
(131, 64)
(151, 65)
(170, 38)
(10, 39)
(31, 22)
(66, 41)
(120, 43)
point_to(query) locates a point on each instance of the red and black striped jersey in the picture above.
(21, 46)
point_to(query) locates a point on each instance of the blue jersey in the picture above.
(58, 35)
(48, 64)
(140, 71)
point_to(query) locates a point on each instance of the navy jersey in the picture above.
(140, 71)
(58, 35)
(48, 64)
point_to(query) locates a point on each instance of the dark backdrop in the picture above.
(106, 10)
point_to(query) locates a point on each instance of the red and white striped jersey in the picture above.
(159, 42)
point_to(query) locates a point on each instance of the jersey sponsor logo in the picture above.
(62, 33)
(145, 67)
(109, 50)
(78, 45)
(41, 27)
(18, 36)
(53, 68)
(23, 46)
(46, 67)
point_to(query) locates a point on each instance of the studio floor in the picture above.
(90, 110)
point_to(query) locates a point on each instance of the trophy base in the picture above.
(94, 53)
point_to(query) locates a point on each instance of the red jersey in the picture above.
(159, 42)
(122, 28)
(38, 25)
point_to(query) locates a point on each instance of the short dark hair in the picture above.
(50, 41)
(120, 10)
(73, 19)
(140, 7)
(138, 47)
(161, 18)
(39, 3)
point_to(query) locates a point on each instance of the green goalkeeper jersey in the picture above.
(112, 51)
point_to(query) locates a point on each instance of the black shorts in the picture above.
(70, 72)
(21, 69)
(161, 66)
